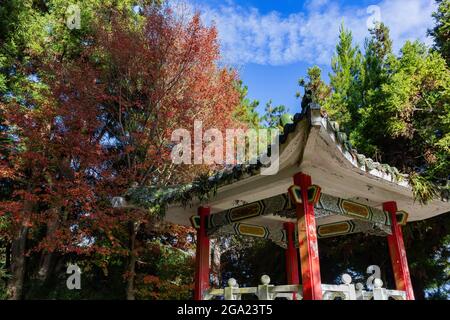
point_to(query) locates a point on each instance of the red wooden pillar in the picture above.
(307, 237)
(202, 256)
(398, 253)
(291, 256)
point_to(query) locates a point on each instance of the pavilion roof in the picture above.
(294, 140)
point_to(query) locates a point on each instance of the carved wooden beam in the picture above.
(350, 227)
(279, 237)
(281, 205)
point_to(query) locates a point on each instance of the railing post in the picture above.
(351, 291)
(398, 253)
(228, 291)
(202, 256)
(264, 289)
(379, 293)
(359, 288)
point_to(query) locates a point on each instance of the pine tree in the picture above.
(273, 115)
(315, 89)
(346, 65)
(246, 111)
(441, 32)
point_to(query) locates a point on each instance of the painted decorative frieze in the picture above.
(263, 207)
(402, 217)
(281, 205)
(350, 227)
(278, 236)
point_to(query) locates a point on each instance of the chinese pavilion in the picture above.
(323, 188)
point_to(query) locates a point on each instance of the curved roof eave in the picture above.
(312, 144)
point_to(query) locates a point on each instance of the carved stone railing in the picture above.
(265, 291)
(378, 292)
(344, 291)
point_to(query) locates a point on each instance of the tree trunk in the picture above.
(47, 258)
(134, 227)
(419, 287)
(45, 266)
(216, 269)
(18, 264)
(8, 255)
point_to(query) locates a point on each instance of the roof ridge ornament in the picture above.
(314, 112)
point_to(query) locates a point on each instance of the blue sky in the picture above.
(273, 42)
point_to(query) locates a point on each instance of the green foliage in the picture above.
(441, 31)
(165, 273)
(97, 283)
(423, 188)
(247, 259)
(346, 65)
(3, 273)
(395, 109)
(246, 111)
(272, 116)
(33, 33)
(316, 90)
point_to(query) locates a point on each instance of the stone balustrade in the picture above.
(344, 291)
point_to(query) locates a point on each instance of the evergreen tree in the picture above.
(246, 111)
(315, 89)
(273, 115)
(441, 31)
(396, 109)
(373, 73)
(403, 119)
(346, 65)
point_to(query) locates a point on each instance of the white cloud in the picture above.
(315, 4)
(408, 20)
(248, 36)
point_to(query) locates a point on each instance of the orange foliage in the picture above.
(105, 124)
